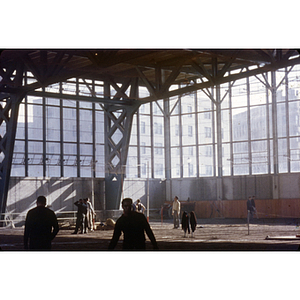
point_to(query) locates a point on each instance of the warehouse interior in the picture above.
(211, 27)
(211, 126)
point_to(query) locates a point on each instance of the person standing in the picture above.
(41, 226)
(176, 211)
(81, 214)
(133, 225)
(140, 207)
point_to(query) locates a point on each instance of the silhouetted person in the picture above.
(81, 216)
(140, 207)
(251, 207)
(41, 226)
(193, 222)
(185, 223)
(176, 212)
(133, 225)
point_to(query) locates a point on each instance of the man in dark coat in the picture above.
(81, 216)
(41, 226)
(133, 225)
(185, 223)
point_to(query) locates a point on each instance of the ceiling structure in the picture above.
(156, 69)
(164, 73)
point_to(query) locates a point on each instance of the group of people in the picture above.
(85, 220)
(186, 219)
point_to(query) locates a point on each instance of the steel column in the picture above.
(10, 79)
(118, 124)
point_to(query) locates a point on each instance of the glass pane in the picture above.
(239, 124)
(86, 126)
(53, 123)
(281, 120)
(188, 130)
(258, 121)
(226, 115)
(226, 159)
(294, 118)
(206, 160)
(282, 156)
(189, 162)
(35, 122)
(69, 123)
(175, 162)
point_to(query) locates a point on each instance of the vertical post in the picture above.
(248, 221)
(219, 144)
(275, 135)
(148, 200)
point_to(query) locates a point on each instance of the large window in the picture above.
(59, 137)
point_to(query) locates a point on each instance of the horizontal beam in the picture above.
(221, 80)
(105, 100)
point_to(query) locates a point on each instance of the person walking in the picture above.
(133, 225)
(41, 226)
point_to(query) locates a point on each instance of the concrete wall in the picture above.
(61, 193)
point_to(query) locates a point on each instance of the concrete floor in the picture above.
(210, 235)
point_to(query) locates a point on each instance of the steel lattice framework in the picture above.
(126, 70)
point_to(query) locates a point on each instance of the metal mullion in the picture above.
(26, 130)
(230, 130)
(196, 133)
(93, 136)
(287, 119)
(138, 144)
(77, 130)
(213, 134)
(268, 126)
(249, 126)
(152, 140)
(61, 120)
(180, 138)
(44, 134)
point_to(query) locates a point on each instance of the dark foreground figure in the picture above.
(40, 226)
(133, 225)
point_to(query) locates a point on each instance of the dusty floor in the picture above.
(210, 235)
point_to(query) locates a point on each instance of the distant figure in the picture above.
(185, 223)
(41, 226)
(90, 216)
(193, 222)
(133, 225)
(251, 207)
(140, 206)
(176, 212)
(81, 215)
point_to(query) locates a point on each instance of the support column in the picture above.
(275, 135)
(219, 144)
(118, 124)
(11, 95)
(167, 127)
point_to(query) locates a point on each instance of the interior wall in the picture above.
(61, 193)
